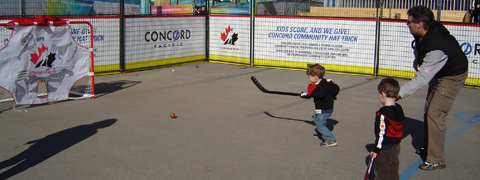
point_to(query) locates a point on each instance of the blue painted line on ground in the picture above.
(410, 171)
(457, 133)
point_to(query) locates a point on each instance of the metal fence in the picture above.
(143, 7)
(461, 5)
(121, 30)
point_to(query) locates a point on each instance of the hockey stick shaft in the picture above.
(263, 89)
(367, 174)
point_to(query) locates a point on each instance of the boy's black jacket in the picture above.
(388, 131)
(323, 93)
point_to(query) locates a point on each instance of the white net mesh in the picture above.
(83, 88)
(82, 34)
(5, 96)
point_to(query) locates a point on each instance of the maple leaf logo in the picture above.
(35, 57)
(224, 36)
(228, 37)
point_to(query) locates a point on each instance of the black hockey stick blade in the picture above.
(263, 89)
(259, 86)
(369, 168)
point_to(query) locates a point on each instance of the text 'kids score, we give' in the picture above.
(313, 30)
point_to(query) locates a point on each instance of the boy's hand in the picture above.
(304, 95)
(373, 154)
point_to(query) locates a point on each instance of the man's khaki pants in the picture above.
(441, 95)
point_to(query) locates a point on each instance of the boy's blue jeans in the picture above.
(321, 123)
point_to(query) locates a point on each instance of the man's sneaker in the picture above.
(328, 144)
(428, 166)
(422, 151)
(316, 135)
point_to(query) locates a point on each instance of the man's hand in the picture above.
(415, 64)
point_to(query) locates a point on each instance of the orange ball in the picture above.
(172, 115)
(196, 66)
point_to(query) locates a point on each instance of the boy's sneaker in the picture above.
(428, 166)
(328, 144)
(316, 135)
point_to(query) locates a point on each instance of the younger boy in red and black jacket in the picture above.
(324, 92)
(388, 131)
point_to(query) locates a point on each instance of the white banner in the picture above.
(156, 38)
(396, 51)
(105, 38)
(395, 46)
(343, 42)
(469, 39)
(230, 36)
(41, 55)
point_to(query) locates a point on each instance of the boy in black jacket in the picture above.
(388, 131)
(323, 92)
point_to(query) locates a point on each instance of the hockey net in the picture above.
(83, 86)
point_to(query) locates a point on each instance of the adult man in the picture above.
(441, 63)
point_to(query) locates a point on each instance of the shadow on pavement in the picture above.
(290, 119)
(330, 122)
(102, 89)
(415, 129)
(44, 148)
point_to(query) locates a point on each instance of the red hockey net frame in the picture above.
(84, 87)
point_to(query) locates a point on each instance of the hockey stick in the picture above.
(259, 86)
(367, 174)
